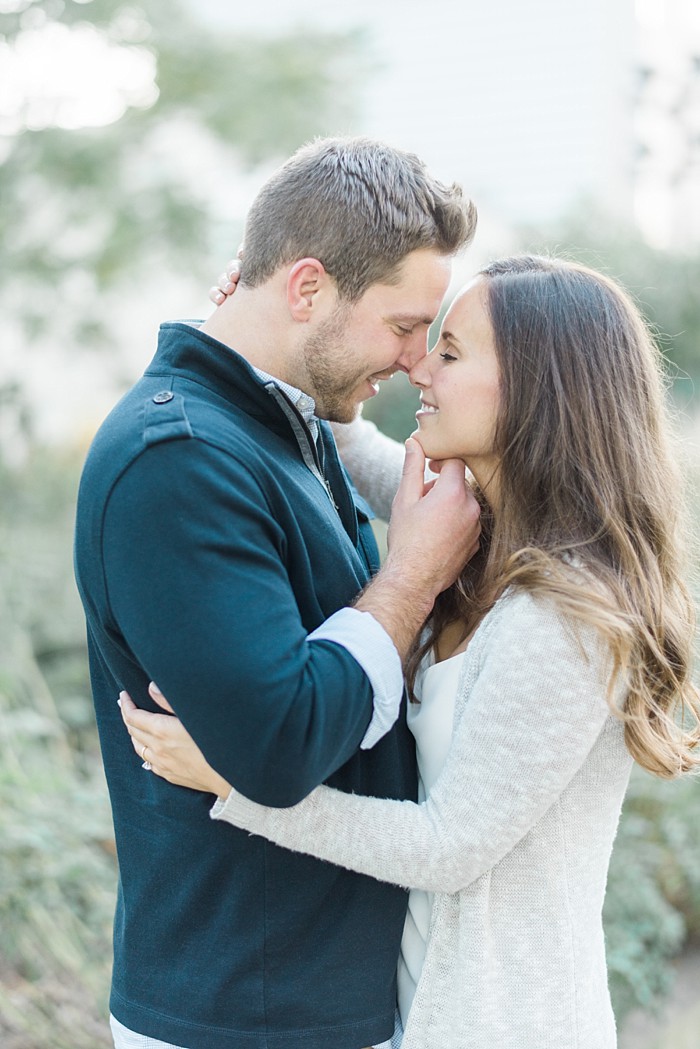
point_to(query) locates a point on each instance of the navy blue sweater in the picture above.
(206, 551)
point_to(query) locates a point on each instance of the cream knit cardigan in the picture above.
(514, 840)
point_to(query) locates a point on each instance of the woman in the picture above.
(560, 654)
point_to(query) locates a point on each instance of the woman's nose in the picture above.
(419, 374)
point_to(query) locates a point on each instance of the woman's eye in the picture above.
(447, 356)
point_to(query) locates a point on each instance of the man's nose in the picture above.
(413, 353)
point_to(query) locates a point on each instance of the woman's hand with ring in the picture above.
(172, 753)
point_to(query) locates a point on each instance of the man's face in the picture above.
(360, 344)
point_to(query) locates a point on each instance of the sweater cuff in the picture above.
(370, 645)
(237, 810)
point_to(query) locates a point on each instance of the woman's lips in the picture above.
(427, 409)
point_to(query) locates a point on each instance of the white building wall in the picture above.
(527, 103)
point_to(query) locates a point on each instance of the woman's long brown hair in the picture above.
(590, 509)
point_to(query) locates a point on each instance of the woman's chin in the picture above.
(417, 435)
(430, 449)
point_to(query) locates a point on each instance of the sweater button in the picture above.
(163, 397)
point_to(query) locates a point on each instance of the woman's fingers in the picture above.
(163, 742)
(227, 281)
(233, 271)
(156, 731)
(158, 697)
(126, 704)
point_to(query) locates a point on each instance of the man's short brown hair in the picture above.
(357, 205)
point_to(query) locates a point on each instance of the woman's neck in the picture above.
(451, 641)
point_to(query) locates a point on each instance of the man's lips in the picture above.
(374, 380)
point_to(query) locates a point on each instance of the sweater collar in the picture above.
(186, 350)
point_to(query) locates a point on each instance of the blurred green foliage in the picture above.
(663, 283)
(653, 899)
(85, 213)
(57, 871)
(92, 210)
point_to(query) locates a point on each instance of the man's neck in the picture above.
(250, 323)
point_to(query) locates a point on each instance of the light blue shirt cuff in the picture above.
(368, 643)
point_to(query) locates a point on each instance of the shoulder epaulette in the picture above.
(165, 418)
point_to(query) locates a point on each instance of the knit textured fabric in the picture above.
(373, 460)
(514, 840)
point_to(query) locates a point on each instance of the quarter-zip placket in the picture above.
(304, 438)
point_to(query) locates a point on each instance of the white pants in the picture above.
(126, 1039)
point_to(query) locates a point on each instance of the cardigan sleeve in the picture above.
(532, 716)
(373, 460)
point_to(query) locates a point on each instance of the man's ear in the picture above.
(308, 286)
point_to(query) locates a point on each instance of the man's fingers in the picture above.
(451, 472)
(413, 475)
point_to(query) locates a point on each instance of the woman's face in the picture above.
(459, 384)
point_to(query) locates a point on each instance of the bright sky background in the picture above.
(528, 104)
(507, 97)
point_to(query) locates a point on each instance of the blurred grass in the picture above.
(57, 867)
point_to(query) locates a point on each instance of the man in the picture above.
(218, 549)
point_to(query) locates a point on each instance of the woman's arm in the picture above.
(373, 460)
(532, 716)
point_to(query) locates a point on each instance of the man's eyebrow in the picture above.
(410, 318)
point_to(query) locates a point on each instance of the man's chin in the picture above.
(343, 413)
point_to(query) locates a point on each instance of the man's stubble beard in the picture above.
(328, 364)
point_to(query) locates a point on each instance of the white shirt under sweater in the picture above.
(430, 720)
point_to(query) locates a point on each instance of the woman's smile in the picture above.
(459, 383)
(426, 409)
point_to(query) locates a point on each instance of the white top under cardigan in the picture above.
(430, 721)
(514, 841)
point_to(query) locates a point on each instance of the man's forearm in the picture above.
(399, 603)
(434, 530)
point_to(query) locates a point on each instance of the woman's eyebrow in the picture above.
(448, 336)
